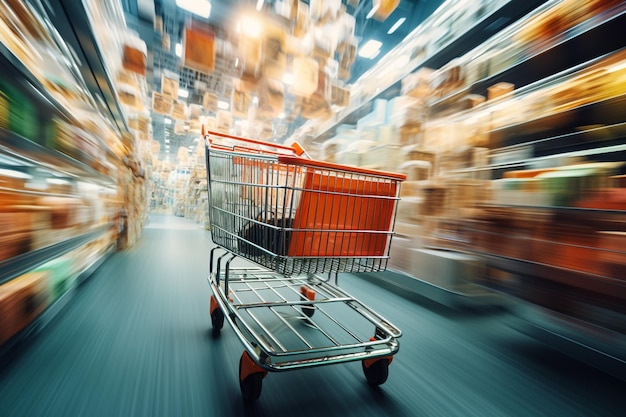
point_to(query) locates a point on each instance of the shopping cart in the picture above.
(302, 222)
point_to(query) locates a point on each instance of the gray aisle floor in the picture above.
(135, 341)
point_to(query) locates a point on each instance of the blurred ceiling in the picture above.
(141, 16)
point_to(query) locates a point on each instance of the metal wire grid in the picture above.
(272, 313)
(247, 190)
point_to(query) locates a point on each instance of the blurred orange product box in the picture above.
(499, 90)
(569, 247)
(613, 253)
(21, 301)
(12, 222)
(14, 244)
(384, 8)
(135, 55)
(199, 53)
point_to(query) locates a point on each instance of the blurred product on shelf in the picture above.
(21, 301)
(68, 169)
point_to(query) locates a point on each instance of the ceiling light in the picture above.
(374, 10)
(179, 49)
(200, 7)
(222, 105)
(259, 5)
(168, 121)
(281, 116)
(396, 25)
(251, 27)
(183, 93)
(370, 49)
(288, 78)
(167, 141)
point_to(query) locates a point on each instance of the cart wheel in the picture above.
(307, 294)
(376, 371)
(217, 320)
(250, 380)
(217, 316)
(308, 310)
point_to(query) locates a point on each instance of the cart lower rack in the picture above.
(297, 219)
(289, 323)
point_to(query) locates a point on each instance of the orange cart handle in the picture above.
(295, 149)
(294, 160)
(244, 149)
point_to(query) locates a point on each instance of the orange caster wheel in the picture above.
(217, 317)
(250, 378)
(376, 370)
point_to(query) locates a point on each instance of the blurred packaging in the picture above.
(135, 53)
(169, 85)
(384, 8)
(199, 47)
(21, 301)
(418, 83)
(162, 105)
(306, 83)
(271, 98)
(209, 102)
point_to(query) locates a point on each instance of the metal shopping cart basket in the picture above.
(302, 222)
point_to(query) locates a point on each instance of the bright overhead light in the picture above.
(396, 25)
(370, 49)
(251, 26)
(374, 10)
(167, 141)
(259, 5)
(183, 93)
(168, 121)
(179, 49)
(288, 78)
(281, 116)
(222, 105)
(201, 8)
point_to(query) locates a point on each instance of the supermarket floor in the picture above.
(135, 340)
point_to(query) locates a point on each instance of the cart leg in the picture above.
(307, 294)
(217, 316)
(376, 370)
(250, 378)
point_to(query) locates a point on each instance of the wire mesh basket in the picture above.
(295, 215)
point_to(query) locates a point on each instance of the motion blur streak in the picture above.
(136, 341)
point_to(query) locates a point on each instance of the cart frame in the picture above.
(285, 313)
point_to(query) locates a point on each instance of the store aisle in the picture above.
(135, 341)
